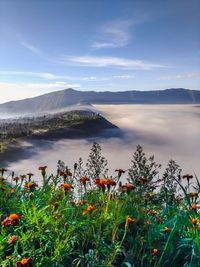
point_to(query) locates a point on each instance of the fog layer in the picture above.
(167, 131)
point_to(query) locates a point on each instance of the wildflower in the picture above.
(16, 179)
(110, 182)
(128, 188)
(148, 222)
(30, 174)
(82, 202)
(31, 185)
(177, 200)
(62, 173)
(23, 176)
(2, 179)
(155, 251)
(72, 203)
(83, 180)
(24, 262)
(187, 176)
(192, 195)
(128, 220)
(12, 190)
(165, 229)
(2, 170)
(13, 239)
(193, 220)
(144, 180)
(55, 204)
(194, 207)
(147, 196)
(89, 209)
(43, 168)
(120, 171)
(66, 187)
(171, 195)
(13, 219)
(110, 196)
(138, 181)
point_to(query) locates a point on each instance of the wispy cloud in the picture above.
(122, 63)
(114, 34)
(51, 76)
(32, 48)
(185, 76)
(123, 76)
(44, 75)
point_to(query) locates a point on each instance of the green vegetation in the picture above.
(10, 129)
(83, 217)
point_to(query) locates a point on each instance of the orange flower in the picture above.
(138, 181)
(12, 190)
(171, 195)
(42, 168)
(128, 220)
(24, 262)
(72, 203)
(192, 195)
(193, 220)
(82, 202)
(84, 179)
(56, 204)
(13, 239)
(155, 251)
(15, 178)
(110, 182)
(89, 209)
(165, 229)
(30, 174)
(30, 185)
(23, 176)
(2, 179)
(66, 187)
(144, 180)
(194, 206)
(13, 219)
(128, 188)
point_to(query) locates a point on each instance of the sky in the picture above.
(101, 45)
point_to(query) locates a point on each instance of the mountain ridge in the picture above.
(68, 97)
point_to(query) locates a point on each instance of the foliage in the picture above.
(80, 217)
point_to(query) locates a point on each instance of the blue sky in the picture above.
(100, 45)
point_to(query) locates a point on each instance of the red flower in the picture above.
(42, 168)
(187, 176)
(110, 182)
(120, 171)
(66, 187)
(13, 219)
(84, 179)
(13, 239)
(30, 185)
(24, 262)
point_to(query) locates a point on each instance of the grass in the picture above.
(74, 220)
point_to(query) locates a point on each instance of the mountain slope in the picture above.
(67, 97)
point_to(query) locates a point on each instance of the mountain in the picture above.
(68, 97)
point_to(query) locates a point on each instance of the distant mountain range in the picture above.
(68, 97)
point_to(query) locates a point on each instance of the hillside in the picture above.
(68, 97)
